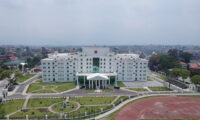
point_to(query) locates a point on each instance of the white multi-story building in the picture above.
(96, 65)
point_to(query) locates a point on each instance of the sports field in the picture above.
(169, 107)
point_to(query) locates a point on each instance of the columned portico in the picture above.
(96, 80)
(100, 80)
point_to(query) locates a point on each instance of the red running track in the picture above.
(169, 107)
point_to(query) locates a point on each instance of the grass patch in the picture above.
(92, 100)
(69, 107)
(34, 114)
(162, 77)
(24, 78)
(11, 106)
(138, 89)
(33, 87)
(160, 89)
(43, 102)
(65, 86)
(38, 81)
(120, 84)
(89, 109)
(40, 87)
(148, 79)
(120, 99)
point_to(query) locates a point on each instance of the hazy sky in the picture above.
(101, 22)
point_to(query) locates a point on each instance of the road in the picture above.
(79, 92)
(22, 86)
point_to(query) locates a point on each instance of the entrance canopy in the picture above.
(89, 74)
(97, 76)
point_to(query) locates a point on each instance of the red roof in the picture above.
(195, 66)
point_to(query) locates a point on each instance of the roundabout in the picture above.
(64, 107)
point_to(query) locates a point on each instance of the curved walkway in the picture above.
(51, 110)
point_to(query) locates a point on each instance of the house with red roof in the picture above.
(183, 65)
(195, 68)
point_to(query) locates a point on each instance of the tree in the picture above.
(5, 74)
(175, 72)
(186, 56)
(153, 62)
(178, 72)
(167, 62)
(173, 53)
(18, 74)
(185, 73)
(196, 79)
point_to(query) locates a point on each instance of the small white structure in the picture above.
(192, 87)
(3, 101)
(23, 64)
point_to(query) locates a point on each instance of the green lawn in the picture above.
(162, 77)
(160, 89)
(34, 114)
(65, 86)
(90, 110)
(24, 78)
(69, 107)
(148, 79)
(11, 106)
(43, 102)
(121, 99)
(92, 100)
(139, 89)
(40, 87)
(120, 84)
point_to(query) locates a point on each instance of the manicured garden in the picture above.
(39, 87)
(11, 106)
(43, 102)
(64, 106)
(38, 108)
(24, 78)
(139, 89)
(89, 110)
(160, 89)
(92, 100)
(34, 114)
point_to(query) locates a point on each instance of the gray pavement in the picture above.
(143, 84)
(22, 86)
(81, 92)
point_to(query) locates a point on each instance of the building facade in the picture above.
(68, 67)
